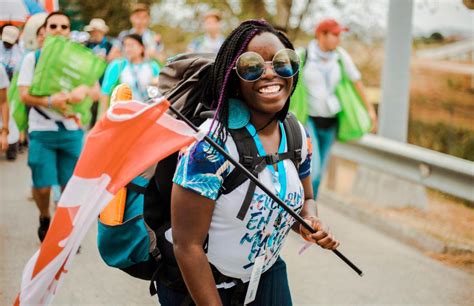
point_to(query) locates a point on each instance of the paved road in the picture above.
(395, 274)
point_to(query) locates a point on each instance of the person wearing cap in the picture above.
(98, 42)
(10, 52)
(321, 74)
(55, 139)
(10, 58)
(212, 40)
(140, 20)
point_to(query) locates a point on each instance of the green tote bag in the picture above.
(17, 108)
(354, 120)
(63, 66)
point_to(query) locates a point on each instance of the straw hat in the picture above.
(96, 24)
(30, 29)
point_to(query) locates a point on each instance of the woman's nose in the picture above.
(268, 71)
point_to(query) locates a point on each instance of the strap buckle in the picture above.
(156, 254)
(298, 156)
(247, 161)
(272, 159)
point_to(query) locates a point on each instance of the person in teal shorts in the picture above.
(55, 140)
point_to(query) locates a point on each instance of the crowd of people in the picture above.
(256, 70)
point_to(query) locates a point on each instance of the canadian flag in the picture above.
(129, 139)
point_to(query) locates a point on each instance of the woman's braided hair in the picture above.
(220, 83)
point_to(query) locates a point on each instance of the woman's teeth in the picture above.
(270, 89)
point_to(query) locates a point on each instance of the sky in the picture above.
(445, 16)
(368, 16)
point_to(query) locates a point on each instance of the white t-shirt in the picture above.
(234, 244)
(321, 75)
(36, 121)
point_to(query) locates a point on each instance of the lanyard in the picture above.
(136, 80)
(278, 178)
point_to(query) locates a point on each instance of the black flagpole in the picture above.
(261, 186)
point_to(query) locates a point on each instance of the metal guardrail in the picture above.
(436, 170)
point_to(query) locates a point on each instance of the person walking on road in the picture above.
(249, 86)
(134, 70)
(55, 140)
(321, 74)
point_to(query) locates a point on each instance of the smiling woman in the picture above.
(227, 239)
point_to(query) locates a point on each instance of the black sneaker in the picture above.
(12, 151)
(22, 147)
(43, 228)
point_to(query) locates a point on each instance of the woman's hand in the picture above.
(59, 101)
(78, 94)
(322, 237)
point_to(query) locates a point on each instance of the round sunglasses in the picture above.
(54, 26)
(250, 66)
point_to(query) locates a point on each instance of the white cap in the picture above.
(10, 34)
(96, 24)
(31, 27)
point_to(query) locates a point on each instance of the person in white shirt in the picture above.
(55, 140)
(321, 75)
(249, 87)
(10, 51)
(212, 40)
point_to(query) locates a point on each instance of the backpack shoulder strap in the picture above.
(247, 156)
(294, 139)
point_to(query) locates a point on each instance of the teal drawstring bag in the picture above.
(64, 65)
(126, 244)
(354, 120)
(299, 99)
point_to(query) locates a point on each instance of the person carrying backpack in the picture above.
(223, 234)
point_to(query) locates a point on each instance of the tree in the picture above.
(115, 13)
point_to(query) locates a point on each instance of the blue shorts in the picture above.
(52, 156)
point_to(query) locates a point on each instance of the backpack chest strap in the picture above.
(248, 157)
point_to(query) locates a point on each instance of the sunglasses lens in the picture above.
(250, 66)
(286, 63)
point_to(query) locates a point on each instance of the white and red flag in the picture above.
(129, 139)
